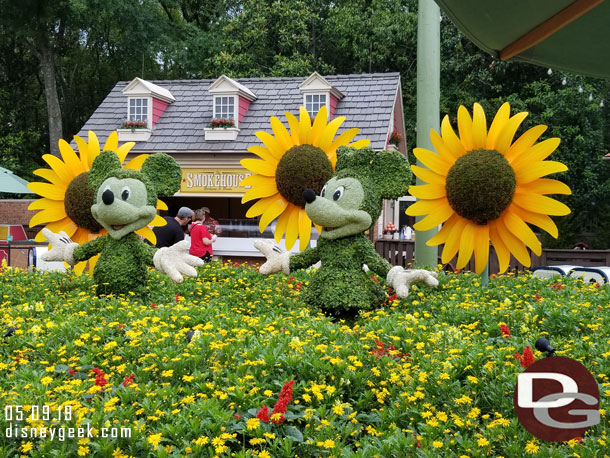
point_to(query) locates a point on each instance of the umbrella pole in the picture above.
(428, 99)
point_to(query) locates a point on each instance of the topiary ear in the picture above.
(102, 166)
(392, 174)
(163, 172)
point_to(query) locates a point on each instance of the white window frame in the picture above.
(148, 109)
(235, 107)
(311, 94)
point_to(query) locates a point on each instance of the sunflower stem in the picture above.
(485, 275)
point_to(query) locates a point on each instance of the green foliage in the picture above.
(302, 167)
(480, 185)
(103, 165)
(164, 173)
(78, 200)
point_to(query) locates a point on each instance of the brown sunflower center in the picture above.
(480, 185)
(77, 203)
(302, 167)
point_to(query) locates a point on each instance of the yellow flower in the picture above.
(202, 440)
(253, 423)
(66, 198)
(46, 381)
(154, 439)
(285, 171)
(531, 447)
(264, 454)
(26, 447)
(482, 442)
(437, 444)
(481, 186)
(167, 373)
(83, 451)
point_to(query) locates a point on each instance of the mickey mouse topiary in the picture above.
(125, 202)
(349, 203)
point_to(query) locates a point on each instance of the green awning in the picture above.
(11, 183)
(561, 34)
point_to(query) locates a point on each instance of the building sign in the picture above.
(214, 181)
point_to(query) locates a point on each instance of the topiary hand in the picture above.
(176, 261)
(401, 279)
(277, 260)
(63, 247)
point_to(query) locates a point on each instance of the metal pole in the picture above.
(428, 96)
(485, 275)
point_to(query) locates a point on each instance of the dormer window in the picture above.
(318, 92)
(313, 103)
(138, 109)
(224, 107)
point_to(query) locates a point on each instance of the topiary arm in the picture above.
(147, 252)
(305, 259)
(372, 259)
(89, 249)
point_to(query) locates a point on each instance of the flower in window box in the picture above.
(133, 125)
(395, 138)
(389, 228)
(221, 123)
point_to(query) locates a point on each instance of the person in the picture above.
(173, 231)
(212, 225)
(201, 240)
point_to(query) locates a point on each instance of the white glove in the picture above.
(277, 260)
(176, 261)
(214, 238)
(401, 279)
(63, 247)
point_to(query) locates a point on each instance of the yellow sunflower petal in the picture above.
(453, 240)
(423, 207)
(158, 221)
(441, 236)
(94, 144)
(360, 143)
(465, 127)
(428, 175)
(281, 134)
(545, 186)
(66, 225)
(161, 205)
(86, 156)
(432, 160)
(466, 245)
(274, 209)
(256, 180)
(112, 142)
(53, 212)
(259, 207)
(451, 140)
(304, 230)
(481, 247)
(136, 162)
(502, 252)
(344, 138)
(441, 213)
(540, 204)
(259, 166)
(536, 153)
(62, 170)
(80, 267)
(514, 245)
(282, 224)
(319, 124)
(329, 133)
(441, 148)
(505, 137)
(293, 123)
(428, 191)
(123, 150)
(497, 125)
(93, 262)
(292, 228)
(70, 158)
(479, 127)
(273, 146)
(81, 236)
(50, 191)
(523, 144)
(263, 153)
(44, 203)
(148, 234)
(544, 222)
(304, 126)
(535, 171)
(521, 231)
(50, 176)
(261, 190)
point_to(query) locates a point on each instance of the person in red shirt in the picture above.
(201, 240)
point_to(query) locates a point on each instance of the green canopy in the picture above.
(11, 183)
(561, 34)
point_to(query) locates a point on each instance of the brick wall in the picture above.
(15, 211)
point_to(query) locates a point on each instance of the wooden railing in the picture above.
(402, 252)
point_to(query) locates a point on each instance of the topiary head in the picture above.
(126, 199)
(352, 199)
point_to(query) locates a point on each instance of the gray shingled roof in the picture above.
(368, 103)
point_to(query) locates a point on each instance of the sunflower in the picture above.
(483, 186)
(67, 198)
(292, 162)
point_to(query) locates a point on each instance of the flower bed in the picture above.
(264, 376)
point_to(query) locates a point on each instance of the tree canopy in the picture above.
(57, 69)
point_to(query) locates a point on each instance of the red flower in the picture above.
(153, 305)
(527, 359)
(284, 399)
(100, 377)
(298, 286)
(263, 414)
(374, 278)
(177, 297)
(505, 331)
(121, 326)
(381, 350)
(71, 371)
(597, 285)
(558, 286)
(238, 416)
(538, 298)
(418, 441)
(128, 380)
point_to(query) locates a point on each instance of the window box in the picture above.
(134, 135)
(221, 133)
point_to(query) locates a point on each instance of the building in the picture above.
(177, 115)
